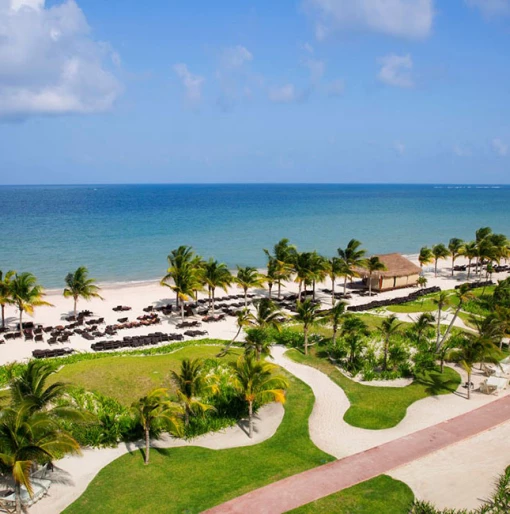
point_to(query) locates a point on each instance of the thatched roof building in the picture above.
(400, 272)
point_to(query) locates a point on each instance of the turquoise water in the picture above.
(124, 233)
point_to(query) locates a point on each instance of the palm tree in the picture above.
(257, 343)
(307, 312)
(190, 383)
(318, 269)
(243, 319)
(335, 316)
(472, 348)
(271, 274)
(216, 274)
(334, 267)
(185, 282)
(5, 292)
(354, 330)
(353, 258)
(372, 265)
(390, 326)
(247, 278)
(182, 258)
(422, 281)
(470, 251)
(256, 383)
(422, 325)
(26, 294)
(441, 300)
(481, 235)
(283, 258)
(439, 251)
(79, 285)
(425, 256)
(266, 314)
(455, 247)
(154, 413)
(29, 438)
(303, 268)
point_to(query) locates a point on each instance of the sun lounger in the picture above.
(493, 385)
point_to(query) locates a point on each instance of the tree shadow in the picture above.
(435, 384)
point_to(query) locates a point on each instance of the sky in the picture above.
(324, 91)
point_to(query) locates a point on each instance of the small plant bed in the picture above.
(381, 495)
(193, 479)
(378, 408)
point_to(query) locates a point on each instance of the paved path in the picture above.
(316, 483)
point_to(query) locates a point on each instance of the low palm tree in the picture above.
(190, 383)
(425, 257)
(155, 413)
(390, 326)
(243, 319)
(283, 258)
(79, 285)
(257, 343)
(354, 331)
(455, 247)
(439, 251)
(5, 292)
(247, 278)
(470, 251)
(307, 312)
(372, 265)
(27, 439)
(185, 283)
(335, 315)
(353, 258)
(422, 281)
(423, 324)
(442, 302)
(215, 274)
(26, 294)
(256, 383)
(267, 314)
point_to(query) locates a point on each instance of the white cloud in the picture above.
(49, 63)
(336, 87)
(491, 8)
(461, 151)
(316, 68)
(500, 147)
(399, 147)
(192, 83)
(283, 94)
(236, 56)
(402, 18)
(396, 70)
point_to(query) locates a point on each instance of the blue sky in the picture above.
(254, 91)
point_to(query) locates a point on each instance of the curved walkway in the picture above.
(317, 483)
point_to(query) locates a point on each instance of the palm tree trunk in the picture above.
(250, 419)
(335, 330)
(210, 299)
(75, 306)
(186, 416)
(469, 268)
(299, 292)
(469, 385)
(333, 291)
(305, 332)
(385, 365)
(270, 288)
(345, 285)
(213, 302)
(370, 284)
(17, 496)
(453, 263)
(21, 320)
(3, 316)
(182, 311)
(147, 446)
(245, 298)
(279, 288)
(438, 329)
(177, 299)
(443, 339)
(313, 289)
(435, 268)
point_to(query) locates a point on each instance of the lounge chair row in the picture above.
(136, 341)
(57, 352)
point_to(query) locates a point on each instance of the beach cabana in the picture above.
(400, 272)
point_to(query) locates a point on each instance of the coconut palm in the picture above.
(283, 258)
(79, 285)
(190, 383)
(155, 413)
(335, 315)
(354, 331)
(470, 251)
(28, 439)
(334, 268)
(455, 247)
(425, 256)
(318, 270)
(267, 314)
(422, 325)
(482, 239)
(182, 258)
(244, 318)
(307, 312)
(271, 274)
(5, 292)
(257, 343)
(256, 383)
(353, 258)
(390, 326)
(185, 282)
(422, 281)
(439, 251)
(373, 265)
(215, 274)
(303, 264)
(247, 278)
(442, 302)
(26, 294)
(470, 349)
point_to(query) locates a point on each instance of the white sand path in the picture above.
(77, 472)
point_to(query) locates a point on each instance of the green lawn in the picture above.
(381, 495)
(381, 407)
(127, 378)
(192, 479)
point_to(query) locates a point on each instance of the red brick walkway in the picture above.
(303, 488)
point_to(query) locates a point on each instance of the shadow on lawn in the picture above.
(435, 384)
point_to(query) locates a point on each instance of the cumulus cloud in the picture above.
(399, 147)
(396, 70)
(192, 83)
(316, 67)
(500, 147)
(336, 87)
(235, 57)
(491, 8)
(49, 62)
(461, 151)
(283, 94)
(402, 18)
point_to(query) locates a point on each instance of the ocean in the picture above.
(123, 233)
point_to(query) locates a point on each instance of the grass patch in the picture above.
(380, 495)
(129, 377)
(193, 479)
(377, 408)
